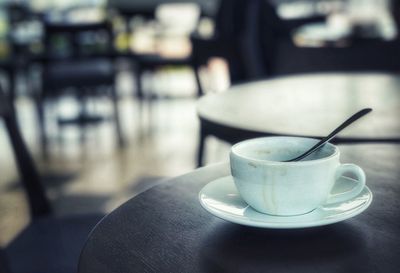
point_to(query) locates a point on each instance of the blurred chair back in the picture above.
(271, 28)
(78, 57)
(77, 54)
(229, 18)
(247, 33)
(264, 30)
(236, 31)
(78, 40)
(38, 203)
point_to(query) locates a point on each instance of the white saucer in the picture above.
(221, 198)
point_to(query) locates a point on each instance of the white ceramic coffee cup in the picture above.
(289, 188)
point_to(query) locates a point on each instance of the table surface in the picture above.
(165, 229)
(310, 105)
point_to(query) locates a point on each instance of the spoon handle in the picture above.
(349, 121)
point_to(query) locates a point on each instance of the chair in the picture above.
(78, 60)
(47, 244)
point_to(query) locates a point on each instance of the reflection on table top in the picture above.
(310, 105)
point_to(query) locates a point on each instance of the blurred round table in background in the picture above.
(309, 105)
(165, 229)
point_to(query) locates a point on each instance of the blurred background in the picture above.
(105, 91)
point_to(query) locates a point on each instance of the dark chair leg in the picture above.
(11, 74)
(117, 121)
(200, 148)
(200, 90)
(40, 108)
(39, 205)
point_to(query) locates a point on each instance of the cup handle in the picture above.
(358, 187)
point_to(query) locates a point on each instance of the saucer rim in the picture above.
(241, 220)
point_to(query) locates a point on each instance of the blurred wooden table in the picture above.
(307, 105)
(165, 229)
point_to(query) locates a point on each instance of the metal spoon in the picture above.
(349, 121)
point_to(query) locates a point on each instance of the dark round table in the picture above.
(165, 229)
(304, 105)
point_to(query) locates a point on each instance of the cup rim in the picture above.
(271, 162)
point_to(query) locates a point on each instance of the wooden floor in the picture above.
(88, 172)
